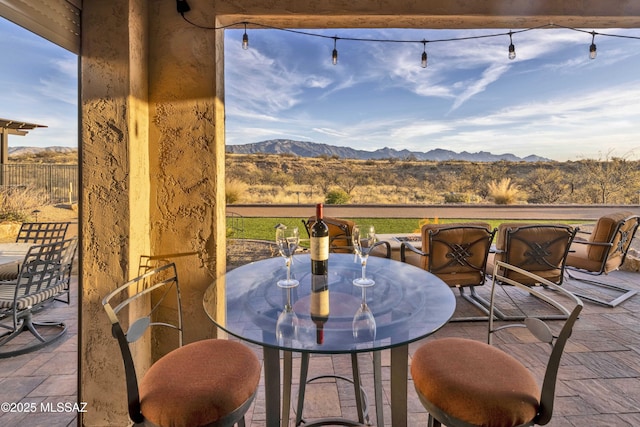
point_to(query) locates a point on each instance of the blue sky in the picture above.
(552, 100)
(39, 82)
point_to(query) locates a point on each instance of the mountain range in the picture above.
(313, 149)
(21, 151)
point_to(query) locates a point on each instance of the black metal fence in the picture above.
(59, 182)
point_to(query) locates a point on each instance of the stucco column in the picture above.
(115, 189)
(152, 173)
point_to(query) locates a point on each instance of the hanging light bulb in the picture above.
(512, 48)
(424, 54)
(592, 48)
(334, 54)
(245, 38)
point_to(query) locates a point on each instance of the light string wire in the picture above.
(423, 41)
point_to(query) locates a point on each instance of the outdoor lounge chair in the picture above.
(464, 383)
(37, 233)
(40, 280)
(457, 254)
(604, 250)
(210, 382)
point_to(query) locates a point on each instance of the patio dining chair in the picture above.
(464, 383)
(602, 251)
(40, 280)
(457, 254)
(211, 382)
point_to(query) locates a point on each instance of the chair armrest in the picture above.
(404, 246)
(387, 246)
(586, 242)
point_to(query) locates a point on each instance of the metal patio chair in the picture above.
(465, 383)
(211, 382)
(40, 280)
(603, 251)
(457, 254)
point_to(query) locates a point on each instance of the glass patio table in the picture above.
(408, 304)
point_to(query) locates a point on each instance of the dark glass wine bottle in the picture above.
(319, 304)
(319, 244)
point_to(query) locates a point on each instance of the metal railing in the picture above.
(58, 182)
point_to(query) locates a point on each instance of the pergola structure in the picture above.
(152, 142)
(12, 127)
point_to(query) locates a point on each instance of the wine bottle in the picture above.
(319, 305)
(319, 244)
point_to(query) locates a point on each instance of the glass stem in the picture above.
(364, 267)
(288, 269)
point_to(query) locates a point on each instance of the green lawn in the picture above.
(264, 228)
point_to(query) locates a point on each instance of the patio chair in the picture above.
(537, 248)
(457, 254)
(604, 250)
(37, 233)
(462, 382)
(210, 382)
(340, 231)
(42, 232)
(39, 281)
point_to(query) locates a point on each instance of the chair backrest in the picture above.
(538, 248)
(556, 336)
(340, 231)
(615, 232)
(68, 256)
(457, 253)
(40, 274)
(42, 232)
(135, 307)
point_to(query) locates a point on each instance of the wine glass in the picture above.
(364, 324)
(363, 240)
(287, 323)
(287, 240)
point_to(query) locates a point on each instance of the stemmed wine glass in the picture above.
(363, 240)
(364, 324)
(287, 323)
(287, 240)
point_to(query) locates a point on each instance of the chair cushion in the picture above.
(603, 232)
(10, 270)
(546, 262)
(475, 382)
(199, 383)
(441, 255)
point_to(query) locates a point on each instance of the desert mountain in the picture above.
(313, 149)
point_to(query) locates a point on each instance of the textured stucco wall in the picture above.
(115, 194)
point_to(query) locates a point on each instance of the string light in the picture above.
(424, 54)
(245, 38)
(184, 7)
(512, 48)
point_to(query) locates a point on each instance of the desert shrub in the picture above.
(452, 197)
(503, 192)
(234, 191)
(18, 203)
(337, 197)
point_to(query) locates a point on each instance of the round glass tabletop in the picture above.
(406, 304)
